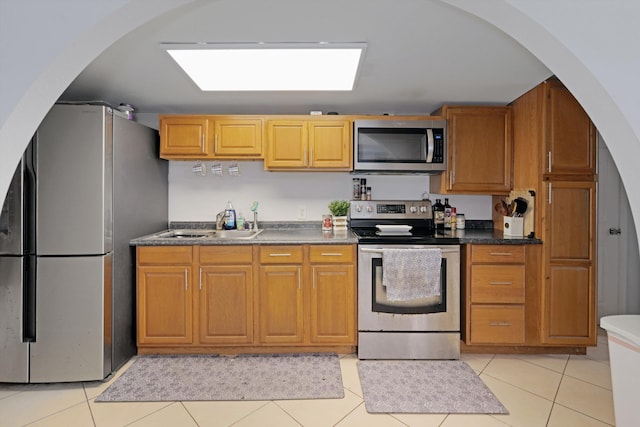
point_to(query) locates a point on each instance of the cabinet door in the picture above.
(165, 305)
(333, 304)
(237, 138)
(226, 304)
(287, 144)
(330, 144)
(184, 137)
(281, 304)
(480, 146)
(569, 290)
(570, 139)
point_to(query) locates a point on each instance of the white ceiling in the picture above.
(420, 54)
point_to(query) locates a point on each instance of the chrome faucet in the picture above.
(219, 220)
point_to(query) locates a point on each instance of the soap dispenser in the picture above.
(229, 217)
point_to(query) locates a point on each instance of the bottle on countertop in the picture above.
(229, 217)
(447, 214)
(438, 214)
(454, 218)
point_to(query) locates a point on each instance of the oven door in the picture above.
(433, 314)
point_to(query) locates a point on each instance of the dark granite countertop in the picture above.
(274, 233)
(488, 237)
(304, 232)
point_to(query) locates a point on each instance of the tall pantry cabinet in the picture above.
(555, 154)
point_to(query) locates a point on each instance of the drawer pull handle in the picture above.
(279, 254)
(501, 253)
(501, 283)
(499, 324)
(186, 279)
(331, 254)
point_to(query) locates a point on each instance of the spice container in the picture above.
(356, 189)
(460, 221)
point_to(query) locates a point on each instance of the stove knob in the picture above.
(369, 208)
(413, 209)
(358, 208)
(423, 209)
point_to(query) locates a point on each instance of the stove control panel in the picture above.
(390, 209)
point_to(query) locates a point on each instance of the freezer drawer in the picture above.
(71, 328)
(14, 354)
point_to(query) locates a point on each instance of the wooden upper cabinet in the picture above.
(480, 150)
(330, 144)
(237, 137)
(298, 144)
(286, 144)
(570, 142)
(185, 137)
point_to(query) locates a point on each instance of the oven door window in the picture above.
(380, 304)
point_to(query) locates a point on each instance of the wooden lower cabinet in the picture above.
(164, 296)
(307, 295)
(246, 298)
(281, 304)
(569, 291)
(500, 295)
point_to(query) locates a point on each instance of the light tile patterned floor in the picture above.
(541, 390)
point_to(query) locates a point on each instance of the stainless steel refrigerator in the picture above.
(89, 182)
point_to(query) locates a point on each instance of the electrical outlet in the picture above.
(302, 212)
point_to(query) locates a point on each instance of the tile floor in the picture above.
(541, 390)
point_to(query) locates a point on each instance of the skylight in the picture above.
(270, 67)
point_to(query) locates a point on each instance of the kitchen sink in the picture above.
(209, 234)
(186, 234)
(237, 234)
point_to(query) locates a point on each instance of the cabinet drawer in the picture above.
(508, 254)
(226, 254)
(497, 324)
(281, 255)
(497, 283)
(163, 255)
(331, 253)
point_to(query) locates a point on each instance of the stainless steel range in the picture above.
(419, 328)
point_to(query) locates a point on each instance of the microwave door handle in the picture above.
(430, 145)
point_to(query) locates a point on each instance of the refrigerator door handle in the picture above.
(29, 300)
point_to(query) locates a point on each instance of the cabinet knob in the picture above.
(615, 231)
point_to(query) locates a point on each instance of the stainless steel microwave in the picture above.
(399, 146)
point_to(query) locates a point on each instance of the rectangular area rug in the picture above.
(245, 377)
(425, 386)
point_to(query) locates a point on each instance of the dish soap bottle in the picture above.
(229, 217)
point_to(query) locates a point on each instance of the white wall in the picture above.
(281, 195)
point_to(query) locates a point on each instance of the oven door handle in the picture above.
(379, 251)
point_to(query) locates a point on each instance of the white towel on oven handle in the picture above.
(410, 274)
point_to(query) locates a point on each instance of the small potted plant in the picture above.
(339, 210)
